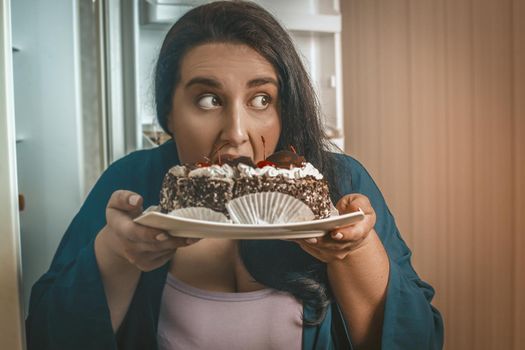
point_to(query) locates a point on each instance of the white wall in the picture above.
(47, 127)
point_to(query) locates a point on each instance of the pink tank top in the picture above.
(192, 318)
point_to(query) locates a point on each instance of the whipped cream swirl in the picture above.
(294, 173)
(213, 171)
(178, 170)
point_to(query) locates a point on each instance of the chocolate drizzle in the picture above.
(280, 159)
(286, 159)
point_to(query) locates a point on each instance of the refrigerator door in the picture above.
(49, 144)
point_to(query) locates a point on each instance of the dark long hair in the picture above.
(279, 264)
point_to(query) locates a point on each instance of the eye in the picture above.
(208, 102)
(260, 101)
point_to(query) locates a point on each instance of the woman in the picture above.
(228, 74)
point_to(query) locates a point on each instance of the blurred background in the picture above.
(428, 94)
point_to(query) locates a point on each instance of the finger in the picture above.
(145, 234)
(143, 249)
(311, 240)
(354, 202)
(335, 246)
(344, 204)
(182, 241)
(349, 233)
(147, 261)
(177, 242)
(126, 201)
(126, 229)
(360, 227)
(138, 253)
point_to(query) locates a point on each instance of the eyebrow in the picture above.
(211, 82)
(203, 81)
(262, 81)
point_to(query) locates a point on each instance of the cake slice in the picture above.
(213, 185)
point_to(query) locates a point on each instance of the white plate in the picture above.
(183, 227)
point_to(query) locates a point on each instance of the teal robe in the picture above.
(68, 308)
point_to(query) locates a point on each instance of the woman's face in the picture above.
(227, 98)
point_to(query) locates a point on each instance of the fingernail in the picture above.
(311, 240)
(161, 237)
(133, 200)
(192, 240)
(338, 235)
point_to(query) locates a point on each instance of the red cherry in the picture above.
(202, 164)
(264, 163)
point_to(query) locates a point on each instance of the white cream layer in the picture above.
(178, 170)
(213, 171)
(244, 170)
(294, 173)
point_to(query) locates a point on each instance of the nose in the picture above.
(235, 126)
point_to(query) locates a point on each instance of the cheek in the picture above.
(192, 147)
(271, 130)
(194, 140)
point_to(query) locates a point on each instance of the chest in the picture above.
(192, 318)
(213, 265)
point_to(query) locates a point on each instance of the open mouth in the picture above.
(228, 157)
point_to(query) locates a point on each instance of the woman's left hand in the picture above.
(338, 244)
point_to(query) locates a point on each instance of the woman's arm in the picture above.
(71, 305)
(359, 283)
(382, 299)
(68, 308)
(119, 277)
(406, 319)
(124, 249)
(358, 270)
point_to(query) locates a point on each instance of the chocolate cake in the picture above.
(213, 185)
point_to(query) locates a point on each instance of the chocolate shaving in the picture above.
(286, 159)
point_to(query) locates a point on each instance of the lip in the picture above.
(227, 156)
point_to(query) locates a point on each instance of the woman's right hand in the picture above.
(145, 247)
